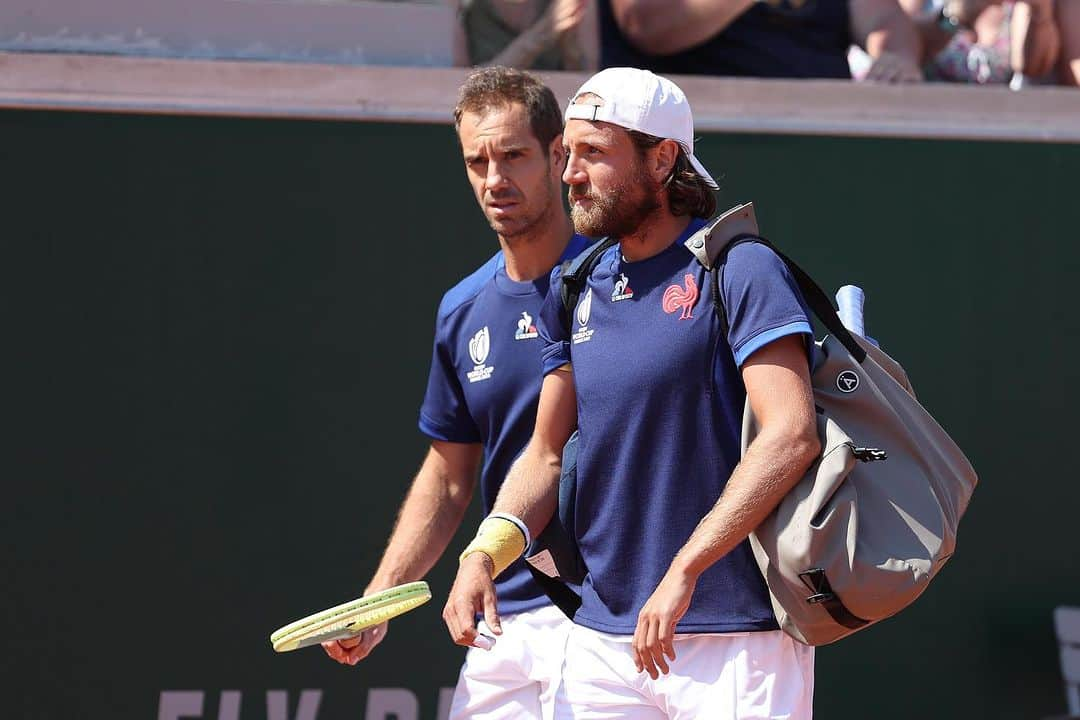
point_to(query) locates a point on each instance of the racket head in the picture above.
(351, 618)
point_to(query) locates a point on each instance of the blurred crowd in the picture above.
(1008, 42)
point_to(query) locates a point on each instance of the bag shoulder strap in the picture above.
(711, 245)
(575, 274)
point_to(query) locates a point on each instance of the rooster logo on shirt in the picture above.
(676, 297)
(622, 290)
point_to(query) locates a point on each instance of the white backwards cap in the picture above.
(639, 100)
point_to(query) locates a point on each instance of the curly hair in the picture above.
(688, 193)
(498, 87)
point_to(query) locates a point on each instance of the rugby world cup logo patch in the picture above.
(479, 347)
(584, 310)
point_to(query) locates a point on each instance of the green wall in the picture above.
(217, 336)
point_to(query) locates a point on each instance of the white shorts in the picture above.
(518, 677)
(732, 676)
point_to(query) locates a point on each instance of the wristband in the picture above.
(501, 539)
(518, 522)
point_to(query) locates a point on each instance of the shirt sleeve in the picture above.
(553, 332)
(444, 414)
(762, 299)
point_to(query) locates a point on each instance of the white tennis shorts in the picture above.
(735, 676)
(517, 678)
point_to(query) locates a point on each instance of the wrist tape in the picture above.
(501, 539)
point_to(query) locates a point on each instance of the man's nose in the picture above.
(496, 178)
(573, 174)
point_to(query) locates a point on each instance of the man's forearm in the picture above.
(773, 464)
(531, 490)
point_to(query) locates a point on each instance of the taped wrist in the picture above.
(501, 539)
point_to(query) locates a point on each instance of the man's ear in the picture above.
(664, 156)
(557, 153)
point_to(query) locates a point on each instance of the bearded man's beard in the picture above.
(620, 211)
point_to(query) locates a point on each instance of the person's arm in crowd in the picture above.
(587, 37)
(889, 36)
(932, 34)
(1036, 42)
(560, 18)
(778, 389)
(1068, 17)
(460, 49)
(530, 493)
(426, 523)
(664, 27)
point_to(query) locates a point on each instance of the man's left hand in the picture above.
(654, 637)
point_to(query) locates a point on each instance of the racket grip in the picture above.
(849, 300)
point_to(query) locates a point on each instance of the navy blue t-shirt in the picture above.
(776, 38)
(485, 382)
(660, 403)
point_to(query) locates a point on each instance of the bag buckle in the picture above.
(867, 454)
(815, 580)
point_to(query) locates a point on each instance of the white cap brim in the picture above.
(700, 170)
(607, 113)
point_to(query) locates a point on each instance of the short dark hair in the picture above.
(688, 193)
(497, 87)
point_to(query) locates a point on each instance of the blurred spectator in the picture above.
(770, 38)
(528, 34)
(992, 42)
(1068, 17)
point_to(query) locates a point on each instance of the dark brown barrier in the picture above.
(217, 335)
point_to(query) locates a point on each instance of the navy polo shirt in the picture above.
(485, 382)
(660, 403)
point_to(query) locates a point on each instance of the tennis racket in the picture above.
(351, 618)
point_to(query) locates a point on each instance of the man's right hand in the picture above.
(473, 592)
(352, 650)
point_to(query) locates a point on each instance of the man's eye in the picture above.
(513, 155)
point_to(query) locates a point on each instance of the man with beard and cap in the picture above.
(482, 390)
(675, 620)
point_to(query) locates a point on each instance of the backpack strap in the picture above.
(711, 245)
(575, 274)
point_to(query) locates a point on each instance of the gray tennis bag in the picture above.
(874, 519)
